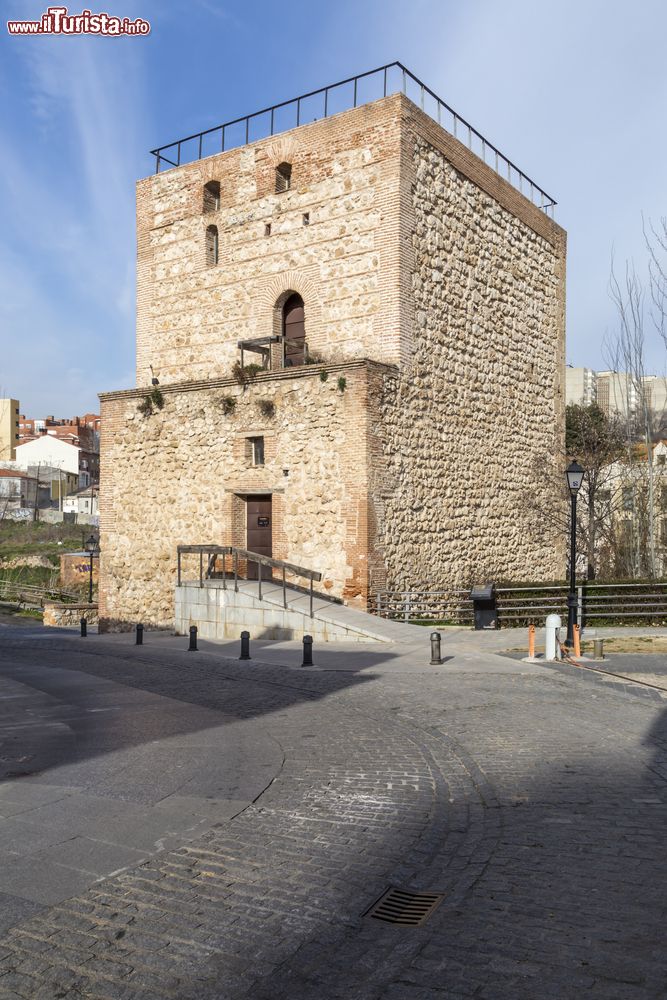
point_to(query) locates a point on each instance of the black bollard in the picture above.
(140, 635)
(84, 627)
(193, 638)
(245, 646)
(436, 658)
(307, 651)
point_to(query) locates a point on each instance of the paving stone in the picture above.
(536, 804)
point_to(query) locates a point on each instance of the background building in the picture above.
(405, 307)
(580, 386)
(9, 429)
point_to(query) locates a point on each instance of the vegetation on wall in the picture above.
(267, 408)
(151, 402)
(228, 405)
(244, 374)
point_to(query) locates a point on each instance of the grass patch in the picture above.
(629, 644)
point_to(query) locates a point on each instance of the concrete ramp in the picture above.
(221, 613)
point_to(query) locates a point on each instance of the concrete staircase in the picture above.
(223, 613)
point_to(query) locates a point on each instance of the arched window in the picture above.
(212, 245)
(283, 177)
(211, 196)
(294, 332)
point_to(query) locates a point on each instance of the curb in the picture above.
(609, 682)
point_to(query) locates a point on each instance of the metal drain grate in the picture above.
(401, 906)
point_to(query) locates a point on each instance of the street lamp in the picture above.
(575, 475)
(92, 550)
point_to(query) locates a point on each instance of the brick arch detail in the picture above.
(274, 296)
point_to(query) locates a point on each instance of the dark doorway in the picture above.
(259, 528)
(294, 331)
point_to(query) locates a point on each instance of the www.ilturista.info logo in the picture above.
(57, 21)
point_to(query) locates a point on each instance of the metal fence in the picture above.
(342, 96)
(642, 602)
(15, 592)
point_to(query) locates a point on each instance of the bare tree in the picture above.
(655, 238)
(597, 442)
(626, 354)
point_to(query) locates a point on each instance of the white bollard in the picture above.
(551, 628)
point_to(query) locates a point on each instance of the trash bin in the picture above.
(484, 606)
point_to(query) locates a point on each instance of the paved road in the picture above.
(280, 802)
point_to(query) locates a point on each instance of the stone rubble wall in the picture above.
(68, 615)
(474, 426)
(176, 478)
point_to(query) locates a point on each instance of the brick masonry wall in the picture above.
(75, 569)
(344, 263)
(177, 477)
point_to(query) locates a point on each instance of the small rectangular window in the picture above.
(306, 218)
(267, 229)
(257, 450)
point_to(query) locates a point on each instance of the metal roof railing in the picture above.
(350, 93)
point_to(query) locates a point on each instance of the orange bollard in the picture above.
(577, 641)
(531, 641)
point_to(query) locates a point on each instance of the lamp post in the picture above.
(574, 474)
(91, 549)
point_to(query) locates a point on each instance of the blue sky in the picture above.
(574, 92)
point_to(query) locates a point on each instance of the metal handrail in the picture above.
(213, 551)
(461, 129)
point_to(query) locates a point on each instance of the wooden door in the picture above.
(258, 532)
(294, 331)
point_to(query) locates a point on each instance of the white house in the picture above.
(49, 452)
(82, 502)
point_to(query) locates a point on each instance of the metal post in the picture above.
(598, 649)
(326, 101)
(298, 111)
(236, 571)
(259, 579)
(245, 646)
(179, 567)
(193, 638)
(572, 595)
(355, 91)
(436, 658)
(284, 591)
(84, 628)
(385, 82)
(140, 635)
(90, 581)
(307, 651)
(201, 568)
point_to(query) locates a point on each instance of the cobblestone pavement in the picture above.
(535, 803)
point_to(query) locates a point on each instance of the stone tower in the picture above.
(403, 306)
